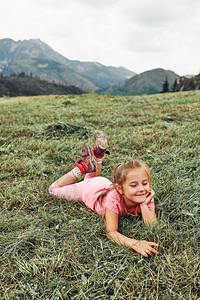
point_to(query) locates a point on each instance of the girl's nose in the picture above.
(141, 187)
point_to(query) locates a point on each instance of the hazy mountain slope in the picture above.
(51, 71)
(100, 75)
(103, 76)
(149, 82)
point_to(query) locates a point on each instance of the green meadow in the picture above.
(55, 249)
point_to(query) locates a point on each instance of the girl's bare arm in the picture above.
(144, 248)
(149, 217)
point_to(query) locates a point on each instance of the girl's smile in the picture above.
(136, 187)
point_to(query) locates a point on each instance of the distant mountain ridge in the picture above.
(35, 56)
(101, 75)
(149, 82)
(27, 49)
(51, 71)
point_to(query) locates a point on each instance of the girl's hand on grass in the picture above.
(150, 196)
(145, 248)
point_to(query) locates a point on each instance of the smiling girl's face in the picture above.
(136, 187)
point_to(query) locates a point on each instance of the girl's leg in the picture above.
(67, 179)
(89, 164)
(69, 192)
(65, 186)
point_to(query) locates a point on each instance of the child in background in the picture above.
(130, 192)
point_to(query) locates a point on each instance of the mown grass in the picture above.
(56, 249)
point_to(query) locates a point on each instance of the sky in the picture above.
(139, 35)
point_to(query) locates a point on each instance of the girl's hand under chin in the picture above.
(149, 196)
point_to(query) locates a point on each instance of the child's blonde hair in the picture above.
(119, 175)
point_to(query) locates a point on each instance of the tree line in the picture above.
(28, 85)
(182, 84)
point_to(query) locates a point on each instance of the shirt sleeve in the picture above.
(114, 203)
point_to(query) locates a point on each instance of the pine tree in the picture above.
(175, 84)
(165, 87)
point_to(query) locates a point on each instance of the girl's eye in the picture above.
(133, 185)
(145, 183)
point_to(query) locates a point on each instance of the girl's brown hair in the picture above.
(119, 175)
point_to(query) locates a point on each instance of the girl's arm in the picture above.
(148, 216)
(142, 247)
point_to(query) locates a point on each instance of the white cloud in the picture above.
(103, 4)
(137, 34)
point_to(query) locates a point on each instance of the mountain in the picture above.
(31, 56)
(11, 50)
(99, 74)
(24, 85)
(49, 70)
(149, 82)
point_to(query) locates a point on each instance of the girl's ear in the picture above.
(119, 188)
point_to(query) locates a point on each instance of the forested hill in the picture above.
(27, 85)
(187, 84)
(149, 82)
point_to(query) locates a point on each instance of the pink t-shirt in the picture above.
(91, 188)
(113, 202)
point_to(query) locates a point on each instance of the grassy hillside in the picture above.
(56, 249)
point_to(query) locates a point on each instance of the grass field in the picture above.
(56, 249)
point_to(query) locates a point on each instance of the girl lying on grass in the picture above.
(130, 192)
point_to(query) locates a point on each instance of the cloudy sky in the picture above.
(139, 35)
